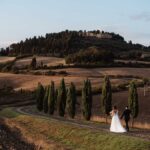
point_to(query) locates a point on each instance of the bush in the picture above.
(14, 70)
(50, 73)
(122, 86)
(37, 73)
(62, 73)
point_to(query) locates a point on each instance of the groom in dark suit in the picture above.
(126, 115)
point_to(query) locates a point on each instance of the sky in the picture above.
(20, 19)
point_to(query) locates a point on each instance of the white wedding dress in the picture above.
(116, 125)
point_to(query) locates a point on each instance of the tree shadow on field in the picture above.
(5, 82)
(11, 138)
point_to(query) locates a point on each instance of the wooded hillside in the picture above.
(69, 42)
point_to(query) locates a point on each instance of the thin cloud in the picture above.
(142, 16)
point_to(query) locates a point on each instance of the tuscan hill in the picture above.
(68, 42)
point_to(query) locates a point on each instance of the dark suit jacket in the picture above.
(126, 115)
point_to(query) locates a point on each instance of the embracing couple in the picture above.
(116, 125)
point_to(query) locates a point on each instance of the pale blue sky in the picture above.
(26, 18)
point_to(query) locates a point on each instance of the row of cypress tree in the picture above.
(49, 99)
(107, 98)
(64, 99)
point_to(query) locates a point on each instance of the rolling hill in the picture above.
(68, 42)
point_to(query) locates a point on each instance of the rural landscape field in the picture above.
(18, 106)
(74, 75)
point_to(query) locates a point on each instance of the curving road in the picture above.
(144, 134)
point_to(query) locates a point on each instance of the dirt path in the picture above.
(144, 134)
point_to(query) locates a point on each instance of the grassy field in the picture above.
(77, 75)
(6, 59)
(29, 82)
(96, 72)
(55, 135)
(8, 113)
(49, 61)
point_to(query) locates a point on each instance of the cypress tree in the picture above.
(56, 95)
(51, 98)
(145, 81)
(61, 98)
(40, 96)
(33, 64)
(87, 100)
(45, 101)
(133, 100)
(71, 100)
(106, 96)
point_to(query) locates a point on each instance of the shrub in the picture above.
(14, 70)
(50, 73)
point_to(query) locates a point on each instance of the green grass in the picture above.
(80, 138)
(73, 137)
(8, 113)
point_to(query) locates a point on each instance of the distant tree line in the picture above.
(4, 52)
(64, 100)
(91, 55)
(68, 42)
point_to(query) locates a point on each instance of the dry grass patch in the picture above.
(49, 61)
(72, 137)
(29, 82)
(141, 72)
(6, 59)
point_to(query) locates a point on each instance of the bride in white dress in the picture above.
(116, 125)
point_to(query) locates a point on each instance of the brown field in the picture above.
(77, 75)
(6, 59)
(133, 61)
(49, 61)
(141, 72)
(120, 99)
(29, 82)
